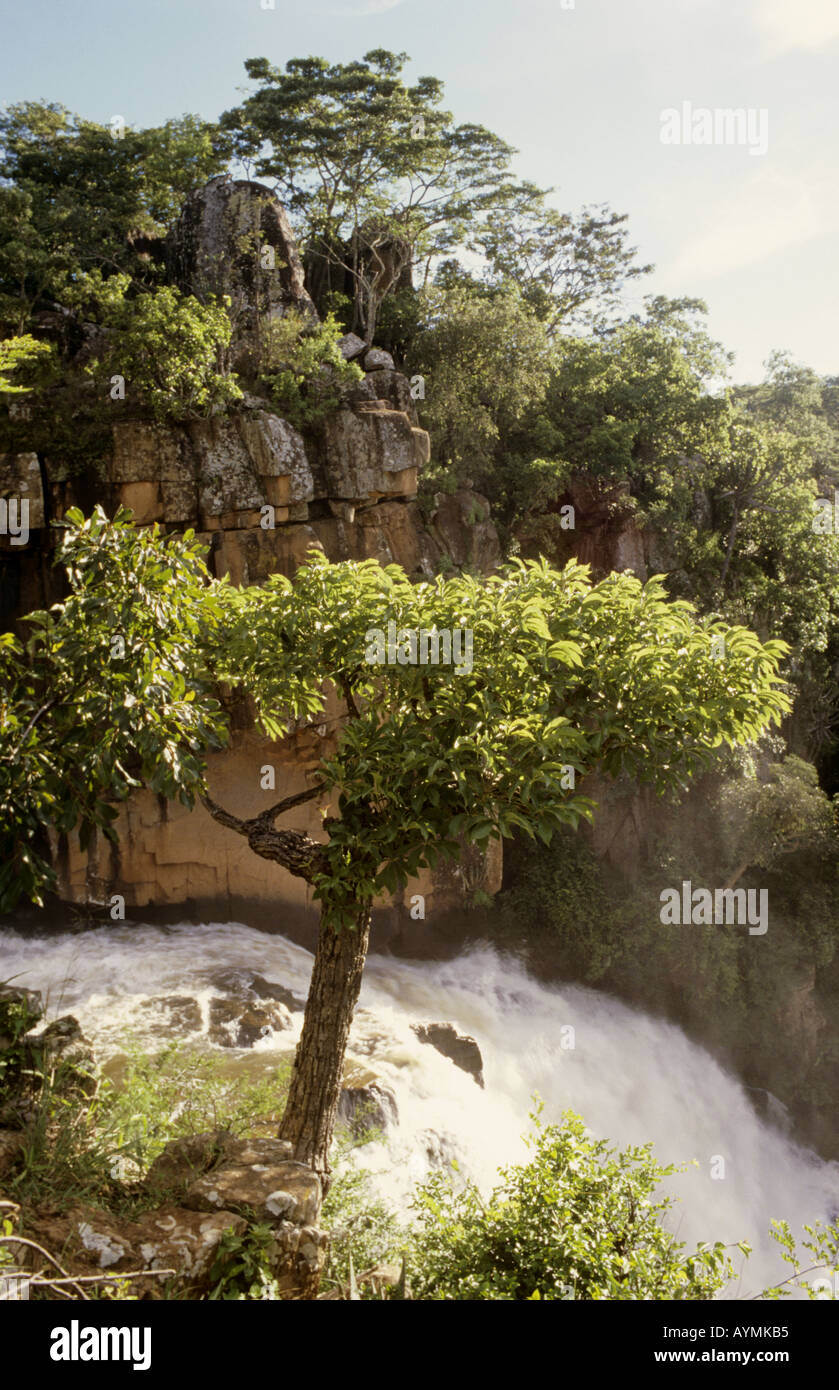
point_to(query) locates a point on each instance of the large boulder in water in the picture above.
(458, 1047)
(242, 1022)
(366, 1105)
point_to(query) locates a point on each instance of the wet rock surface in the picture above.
(251, 985)
(365, 1106)
(179, 1013)
(241, 1022)
(460, 1048)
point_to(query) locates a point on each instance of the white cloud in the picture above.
(791, 24)
(769, 213)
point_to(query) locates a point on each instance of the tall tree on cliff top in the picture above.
(551, 678)
(374, 173)
(380, 179)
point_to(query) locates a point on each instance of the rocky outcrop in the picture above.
(170, 1238)
(369, 454)
(258, 1176)
(233, 239)
(460, 1048)
(185, 1160)
(259, 495)
(600, 529)
(349, 492)
(207, 1186)
(462, 526)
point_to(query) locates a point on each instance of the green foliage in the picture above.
(561, 264)
(486, 363)
(17, 1016)
(241, 1270)
(65, 1158)
(362, 1228)
(113, 690)
(579, 1221)
(433, 753)
(366, 164)
(723, 480)
(794, 399)
(819, 1279)
(79, 198)
(107, 692)
(172, 350)
(773, 811)
(560, 910)
(20, 355)
(80, 1149)
(628, 405)
(179, 1092)
(302, 369)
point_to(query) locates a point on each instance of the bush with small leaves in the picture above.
(579, 1221)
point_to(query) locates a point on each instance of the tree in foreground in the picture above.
(549, 677)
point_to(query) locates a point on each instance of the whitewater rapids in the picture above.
(632, 1077)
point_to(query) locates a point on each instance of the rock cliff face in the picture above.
(605, 533)
(259, 495)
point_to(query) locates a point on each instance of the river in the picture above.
(633, 1078)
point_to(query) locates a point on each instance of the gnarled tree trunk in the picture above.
(315, 1090)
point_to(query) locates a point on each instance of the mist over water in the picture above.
(633, 1078)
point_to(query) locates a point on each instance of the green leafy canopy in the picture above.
(564, 675)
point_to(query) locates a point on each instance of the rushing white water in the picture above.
(633, 1078)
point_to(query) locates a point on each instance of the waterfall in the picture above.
(632, 1077)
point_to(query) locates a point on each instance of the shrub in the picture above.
(179, 1092)
(303, 370)
(559, 904)
(362, 1228)
(172, 350)
(576, 1222)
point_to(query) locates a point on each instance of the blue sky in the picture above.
(578, 90)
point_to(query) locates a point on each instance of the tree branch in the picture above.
(218, 813)
(290, 802)
(298, 853)
(346, 690)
